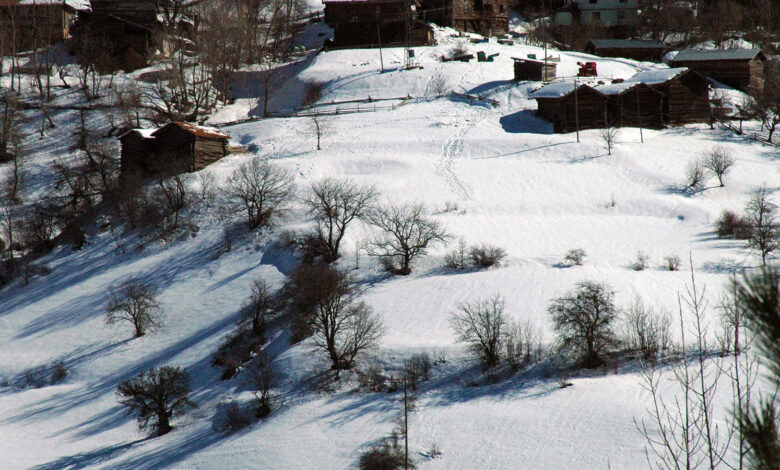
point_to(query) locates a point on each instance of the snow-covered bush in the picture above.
(694, 175)
(382, 457)
(641, 262)
(672, 262)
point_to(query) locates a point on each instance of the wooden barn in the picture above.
(633, 104)
(25, 24)
(375, 23)
(176, 147)
(534, 70)
(486, 17)
(571, 107)
(637, 49)
(742, 69)
(686, 94)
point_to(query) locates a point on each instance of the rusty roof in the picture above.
(200, 131)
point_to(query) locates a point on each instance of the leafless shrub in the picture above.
(608, 136)
(575, 257)
(731, 225)
(765, 233)
(719, 161)
(258, 307)
(262, 379)
(457, 259)
(260, 189)
(485, 256)
(135, 302)
(235, 418)
(438, 85)
(695, 176)
(59, 373)
(417, 369)
(647, 330)
(372, 379)
(672, 262)
(641, 262)
(312, 92)
(523, 343)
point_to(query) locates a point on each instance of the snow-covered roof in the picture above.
(627, 44)
(200, 131)
(555, 90)
(717, 54)
(616, 88)
(145, 133)
(75, 4)
(654, 76)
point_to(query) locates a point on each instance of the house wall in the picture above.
(685, 103)
(486, 17)
(741, 74)
(208, 151)
(371, 24)
(648, 54)
(29, 25)
(586, 110)
(637, 107)
(174, 149)
(607, 12)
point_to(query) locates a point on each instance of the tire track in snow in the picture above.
(452, 151)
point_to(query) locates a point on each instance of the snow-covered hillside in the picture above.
(490, 173)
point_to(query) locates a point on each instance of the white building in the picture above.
(606, 12)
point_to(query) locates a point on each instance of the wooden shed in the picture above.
(742, 69)
(176, 147)
(25, 24)
(486, 17)
(633, 104)
(535, 70)
(637, 49)
(571, 106)
(375, 23)
(686, 94)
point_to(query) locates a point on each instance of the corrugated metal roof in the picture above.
(555, 90)
(718, 54)
(627, 44)
(654, 76)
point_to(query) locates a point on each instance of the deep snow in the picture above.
(493, 174)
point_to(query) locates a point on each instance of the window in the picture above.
(593, 2)
(595, 16)
(621, 14)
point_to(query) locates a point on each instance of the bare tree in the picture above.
(335, 203)
(608, 136)
(261, 189)
(483, 326)
(262, 378)
(719, 161)
(157, 396)
(407, 232)
(135, 302)
(11, 147)
(694, 174)
(258, 307)
(760, 212)
(583, 319)
(325, 301)
(648, 331)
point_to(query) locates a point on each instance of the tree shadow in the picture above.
(88, 459)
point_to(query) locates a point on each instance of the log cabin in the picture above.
(571, 107)
(375, 23)
(686, 94)
(485, 17)
(26, 24)
(177, 147)
(534, 70)
(742, 69)
(633, 104)
(637, 49)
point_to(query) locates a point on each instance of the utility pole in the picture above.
(576, 110)
(406, 422)
(379, 37)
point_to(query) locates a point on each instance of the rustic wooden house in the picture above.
(686, 94)
(375, 23)
(633, 104)
(534, 70)
(486, 17)
(25, 24)
(175, 148)
(738, 68)
(637, 49)
(571, 107)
